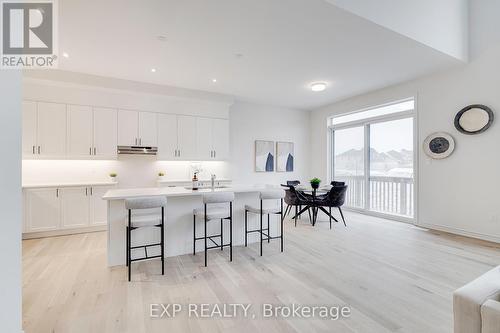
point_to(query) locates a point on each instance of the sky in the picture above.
(386, 136)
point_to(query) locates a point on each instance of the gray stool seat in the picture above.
(256, 210)
(212, 213)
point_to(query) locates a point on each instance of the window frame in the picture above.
(366, 123)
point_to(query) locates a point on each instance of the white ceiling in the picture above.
(285, 45)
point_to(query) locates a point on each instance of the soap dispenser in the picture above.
(195, 181)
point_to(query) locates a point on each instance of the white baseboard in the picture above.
(41, 234)
(460, 232)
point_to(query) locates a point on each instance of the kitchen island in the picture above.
(178, 220)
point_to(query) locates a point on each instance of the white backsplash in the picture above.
(133, 171)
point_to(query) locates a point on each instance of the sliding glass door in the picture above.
(349, 163)
(391, 167)
(374, 155)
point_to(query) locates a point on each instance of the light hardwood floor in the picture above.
(395, 277)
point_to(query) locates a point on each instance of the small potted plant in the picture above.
(161, 175)
(112, 176)
(315, 183)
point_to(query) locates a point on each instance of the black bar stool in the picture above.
(145, 220)
(266, 196)
(214, 209)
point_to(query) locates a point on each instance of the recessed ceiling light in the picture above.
(214, 80)
(318, 86)
(65, 55)
(153, 70)
(161, 38)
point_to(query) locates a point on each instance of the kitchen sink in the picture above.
(207, 187)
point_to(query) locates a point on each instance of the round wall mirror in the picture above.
(439, 145)
(474, 119)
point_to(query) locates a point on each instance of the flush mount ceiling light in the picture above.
(161, 38)
(214, 80)
(153, 70)
(65, 55)
(318, 86)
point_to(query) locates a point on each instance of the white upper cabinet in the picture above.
(137, 128)
(54, 130)
(205, 149)
(29, 129)
(213, 139)
(51, 129)
(92, 133)
(148, 129)
(105, 133)
(167, 136)
(220, 135)
(128, 125)
(80, 142)
(186, 137)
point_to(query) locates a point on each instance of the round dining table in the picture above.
(314, 204)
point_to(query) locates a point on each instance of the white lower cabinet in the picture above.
(43, 210)
(98, 206)
(75, 207)
(59, 209)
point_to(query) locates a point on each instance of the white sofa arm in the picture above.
(490, 317)
(467, 301)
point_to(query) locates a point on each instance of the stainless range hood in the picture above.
(137, 150)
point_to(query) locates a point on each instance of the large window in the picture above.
(373, 152)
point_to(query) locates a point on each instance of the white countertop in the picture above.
(179, 191)
(166, 181)
(69, 184)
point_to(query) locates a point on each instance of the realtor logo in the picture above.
(28, 31)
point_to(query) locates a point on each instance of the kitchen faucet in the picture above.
(212, 179)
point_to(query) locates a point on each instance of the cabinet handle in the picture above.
(176, 153)
(140, 141)
(39, 150)
(179, 153)
(90, 151)
(215, 153)
(86, 191)
(57, 193)
(33, 149)
(95, 151)
(91, 191)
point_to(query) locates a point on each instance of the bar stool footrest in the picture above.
(256, 230)
(145, 258)
(217, 247)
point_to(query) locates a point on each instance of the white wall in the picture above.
(133, 171)
(442, 25)
(461, 193)
(76, 93)
(10, 201)
(250, 122)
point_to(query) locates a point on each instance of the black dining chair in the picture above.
(290, 198)
(337, 183)
(294, 198)
(334, 198)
